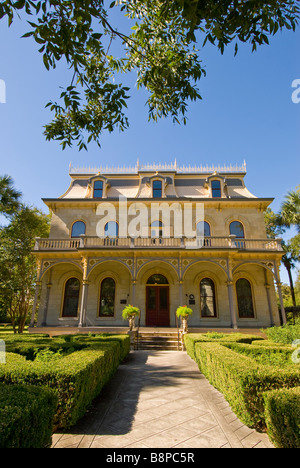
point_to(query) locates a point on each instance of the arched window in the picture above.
(78, 229)
(207, 298)
(157, 279)
(157, 189)
(203, 229)
(216, 189)
(244, 298)
(237, 229)
(98, 189)
(71, 298)
(111, 229)
(203, 234)
(156, 229)
(107, 298)
(111, 232)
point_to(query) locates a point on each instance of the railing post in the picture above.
(37, 243)
(82, 241)
(232, 243)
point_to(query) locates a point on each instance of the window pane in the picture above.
(216, 188)
(111, 229)
(157, 279)
(71, 298)
(78, 229)
(207, 298)
(163, 298)
(156, 229)
(98, 189)
(244, 298)
(237, 229)
(107, 298)
(157, 189)
(203, 229)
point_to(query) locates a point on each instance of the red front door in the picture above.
(157, 306)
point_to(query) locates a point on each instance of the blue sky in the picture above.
(246, 114)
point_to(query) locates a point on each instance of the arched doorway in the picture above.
(157, 301)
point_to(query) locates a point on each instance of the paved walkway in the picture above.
(159, 399)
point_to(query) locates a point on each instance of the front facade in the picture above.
(157, 237)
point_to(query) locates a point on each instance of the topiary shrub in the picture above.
(282, 415)
(26, 416)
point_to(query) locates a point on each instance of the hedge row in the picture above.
(282, 413)
(26, 416)
(77, 376)
(242, 380)
(192, 338)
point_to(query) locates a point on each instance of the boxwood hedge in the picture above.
(77, 376)
(282, 413)
(26, 416)
(244, 373)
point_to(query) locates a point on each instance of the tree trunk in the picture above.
(291, 285)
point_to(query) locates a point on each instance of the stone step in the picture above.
(158, 341)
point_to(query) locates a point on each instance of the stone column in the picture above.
(45, 311)
(34, 307)
(84, 295)
(232, 307)
(180, 292)
(267, 286)
(279, 284)
(133, 293)
(83, 305)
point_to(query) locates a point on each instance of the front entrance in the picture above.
(157, 302)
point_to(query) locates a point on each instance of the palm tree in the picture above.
(289, 261)
(290, 210)
(9, 196)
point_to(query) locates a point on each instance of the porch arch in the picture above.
(162, 267)
(204, 260)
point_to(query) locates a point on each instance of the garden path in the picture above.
(160, 399)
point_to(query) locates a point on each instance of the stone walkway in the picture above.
(159, 399)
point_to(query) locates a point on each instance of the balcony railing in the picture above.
(87, 242)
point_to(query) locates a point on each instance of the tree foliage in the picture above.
(159, 46)
(9, 196)
(276, 225)
(17, 264)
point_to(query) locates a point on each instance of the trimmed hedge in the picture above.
(240, 378)
(282, 413)
(77, 377)
(191, 339)
(26, 416)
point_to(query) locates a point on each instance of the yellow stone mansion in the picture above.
(158, 236)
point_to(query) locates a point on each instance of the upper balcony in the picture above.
(115, 243)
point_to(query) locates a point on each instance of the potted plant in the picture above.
(184, 312)
(129, 313)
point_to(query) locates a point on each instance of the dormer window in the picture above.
(98, 189)
(157, 189)
(216, 189)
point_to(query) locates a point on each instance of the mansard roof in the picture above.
(178, 181)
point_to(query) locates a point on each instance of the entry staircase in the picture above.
(156, 340)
